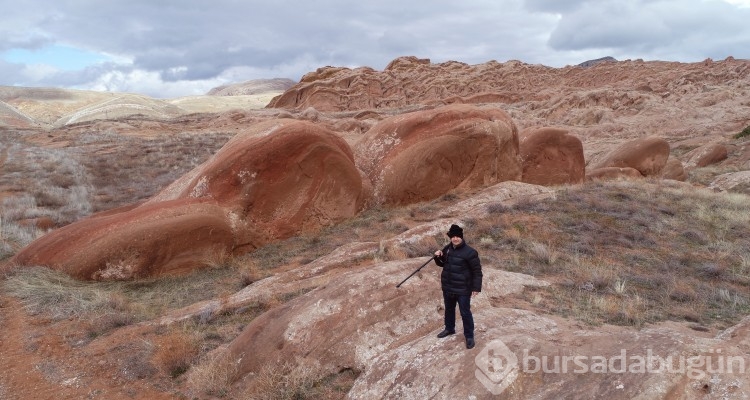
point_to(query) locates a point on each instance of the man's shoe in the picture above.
(469, 343)
(445, 333)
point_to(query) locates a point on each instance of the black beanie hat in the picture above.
(456, 230)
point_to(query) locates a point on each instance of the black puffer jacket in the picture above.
(462, 271)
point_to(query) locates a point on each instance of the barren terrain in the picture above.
(632, 262)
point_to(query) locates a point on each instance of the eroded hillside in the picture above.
(643, 252)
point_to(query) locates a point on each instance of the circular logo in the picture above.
(497, 366)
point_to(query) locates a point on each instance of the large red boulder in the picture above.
(156, 239)
(706, 155)
(647, 155)
(279, 178)
(421, 155)
(674, 170)
(551, 156)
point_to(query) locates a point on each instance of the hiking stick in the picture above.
(412, 274)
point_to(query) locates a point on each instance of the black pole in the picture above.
(412, 274)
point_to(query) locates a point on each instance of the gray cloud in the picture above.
(170, 47)
(689, 30)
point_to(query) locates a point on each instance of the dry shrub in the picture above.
(633, 311)
(285, 382)
(713, 271)
(216, 259)
(422, 247)
(175, 352)
(138, 366)
(214, 374)
(100, 324)
(543, 253)
(248, 276)
(43, 290)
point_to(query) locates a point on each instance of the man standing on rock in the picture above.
(461, 278)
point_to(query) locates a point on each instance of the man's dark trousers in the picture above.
(464, 307)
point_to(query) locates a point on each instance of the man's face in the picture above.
(456, 240)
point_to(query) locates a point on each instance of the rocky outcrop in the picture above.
(551, 156)
(705, 155)
(388, 334)
(734, 181)
(409, 81)
(674, 170)
(280, 178)
(647, 155)
(156, 239)
(422, 155)
(332, 326)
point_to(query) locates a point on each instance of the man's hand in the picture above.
(474, 293)
(439, 253)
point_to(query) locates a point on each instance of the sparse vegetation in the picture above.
(630, 253)
(297, 381)
(141, 167)
(177, 351)
(285, 382)
(744, 133)
(50, 187)
(213, 374)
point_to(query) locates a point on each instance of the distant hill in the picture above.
(30, 107)
(10, 116)
(252, 87)
(591, 63)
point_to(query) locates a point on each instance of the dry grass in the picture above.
(299, 380)
(100, 171)
(56, 295)
(125, 170)
(284, 382)
(620, 253)
(629, 253)
(176, 352)
(213, 374)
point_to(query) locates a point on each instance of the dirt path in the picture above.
(47, 360)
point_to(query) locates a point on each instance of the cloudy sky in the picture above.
(171, 48)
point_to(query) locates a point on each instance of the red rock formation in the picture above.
(155, 239)
(277, 179)
(551, 156)
(705, 155)
(647, 155)
(422, 155)
(674, 170)
(408, 80)
(389, 335)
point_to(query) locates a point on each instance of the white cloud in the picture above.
(173, 47)
(740, 3)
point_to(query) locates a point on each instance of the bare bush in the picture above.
(543, 253)
(176, 351)
(56, 294)
(285, 382)
(214, 374)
